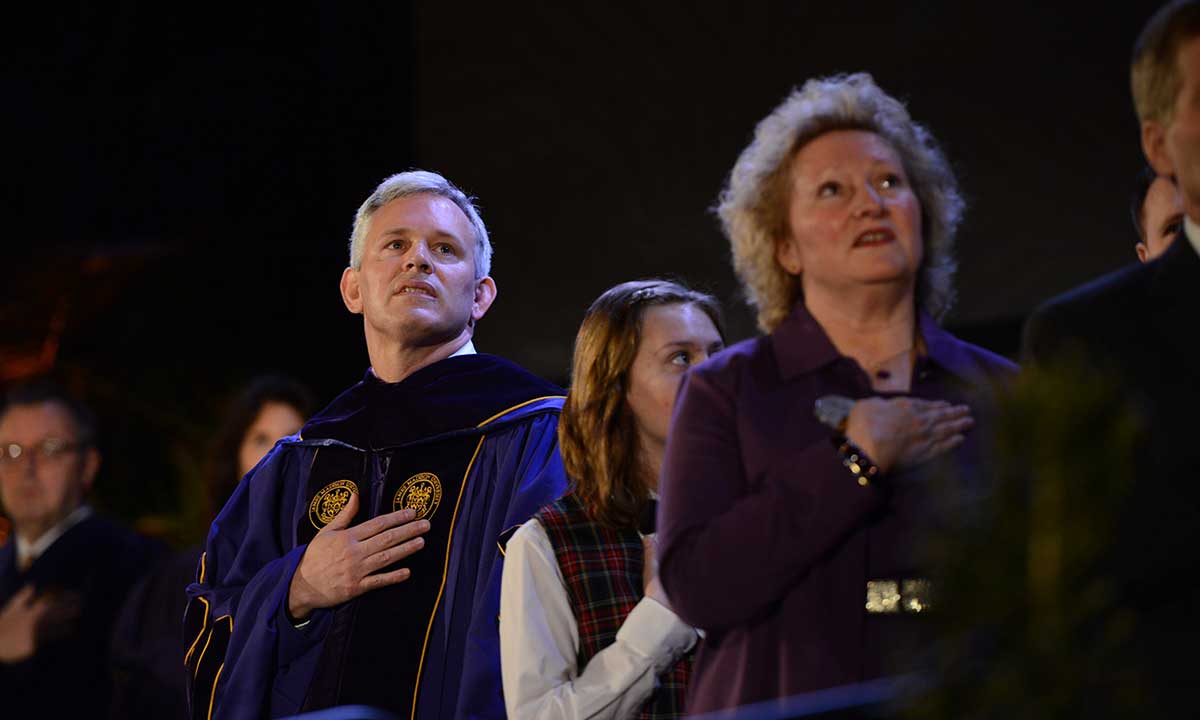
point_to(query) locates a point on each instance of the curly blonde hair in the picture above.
(753, 206)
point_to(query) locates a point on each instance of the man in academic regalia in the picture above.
(357, 564)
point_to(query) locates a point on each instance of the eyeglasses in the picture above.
(48, 450)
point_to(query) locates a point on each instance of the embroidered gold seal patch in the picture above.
(421, 492)
(327, 503)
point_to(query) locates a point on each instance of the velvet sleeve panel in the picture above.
(518, 469)
(245, 658)
(732, 543)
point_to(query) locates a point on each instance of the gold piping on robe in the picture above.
(445, 571)
(207, 608)
(518, 406)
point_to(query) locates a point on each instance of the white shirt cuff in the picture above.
(653, 631)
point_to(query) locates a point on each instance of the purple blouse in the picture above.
(766, 540)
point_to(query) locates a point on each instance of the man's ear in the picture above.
(91, 466)
(485, 295)
(1154, 146)
(351, 292)
(1142, 251)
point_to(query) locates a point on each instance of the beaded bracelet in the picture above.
(856, 461)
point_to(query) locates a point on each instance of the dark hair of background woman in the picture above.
(597, 435)
(223, 475)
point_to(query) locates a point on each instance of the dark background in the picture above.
(181, 180)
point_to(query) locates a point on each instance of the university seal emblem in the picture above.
(329, 502)
(421, 492)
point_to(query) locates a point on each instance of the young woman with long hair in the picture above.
(586, 630)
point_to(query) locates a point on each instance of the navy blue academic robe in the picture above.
(470, 442)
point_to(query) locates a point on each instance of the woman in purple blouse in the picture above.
(796, 475)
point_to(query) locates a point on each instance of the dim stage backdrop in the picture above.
(181, 178)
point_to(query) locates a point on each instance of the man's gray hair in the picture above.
(416, 182)
(753, 206)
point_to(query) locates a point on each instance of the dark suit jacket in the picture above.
(148, 642)
(1141, 325)
(96, 561)
(1141, 321)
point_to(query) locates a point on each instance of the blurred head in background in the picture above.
(270, 407)
(1165, 80)
(48, 457)
(1157, 210)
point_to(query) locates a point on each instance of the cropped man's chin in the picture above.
(411, 319)
(421, 333)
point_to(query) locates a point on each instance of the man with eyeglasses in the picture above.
(65, 570)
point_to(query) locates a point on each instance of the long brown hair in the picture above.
(597, 435)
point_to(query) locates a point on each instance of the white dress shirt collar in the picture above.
(1192, 232)
(28, 552)
(468, 349)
